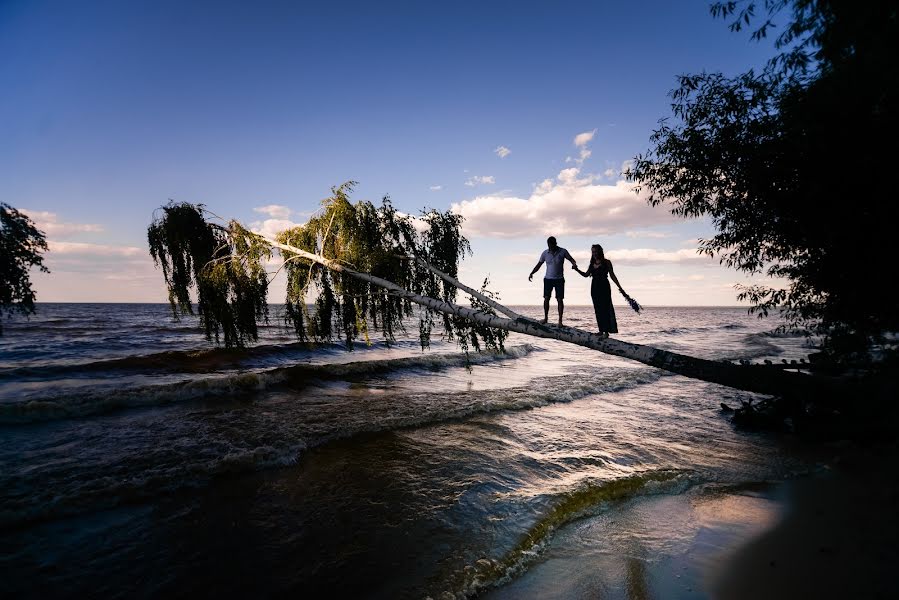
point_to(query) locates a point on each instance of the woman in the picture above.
(600, 269)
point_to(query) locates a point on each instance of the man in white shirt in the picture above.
(554, 257)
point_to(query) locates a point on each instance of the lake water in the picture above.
(137, 460)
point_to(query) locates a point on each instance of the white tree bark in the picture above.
(470, 291)
(755, 378)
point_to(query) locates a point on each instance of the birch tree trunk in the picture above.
(763, 379)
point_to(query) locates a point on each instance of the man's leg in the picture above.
(560, 295)
(547, 292)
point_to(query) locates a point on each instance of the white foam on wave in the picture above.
(106, 396)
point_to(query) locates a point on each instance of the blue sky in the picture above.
(519, 115)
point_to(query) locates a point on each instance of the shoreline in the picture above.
(828, 534)
(837, 537)
(658, 546)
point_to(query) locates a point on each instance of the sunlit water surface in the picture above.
(138, 460)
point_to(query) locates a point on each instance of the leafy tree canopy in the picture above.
(794, 164)
(333, 260)
(21, 244)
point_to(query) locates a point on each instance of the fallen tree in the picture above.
(365, 268)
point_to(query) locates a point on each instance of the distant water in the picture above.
(138, 460)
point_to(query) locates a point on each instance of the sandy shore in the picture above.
(837, 538)
(828, 535)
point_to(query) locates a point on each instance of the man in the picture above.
(554, 257)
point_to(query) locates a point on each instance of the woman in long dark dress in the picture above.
(601, 269)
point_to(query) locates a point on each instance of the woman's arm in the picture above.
(612, 275)
(586, 273)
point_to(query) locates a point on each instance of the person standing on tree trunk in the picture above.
(601, 269)
(554, 257)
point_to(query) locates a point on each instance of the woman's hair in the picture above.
(602, 256)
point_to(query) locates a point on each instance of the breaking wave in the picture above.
(587, 500)
(102, 398)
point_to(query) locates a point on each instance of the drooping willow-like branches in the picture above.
(358, 243)
(224, 265)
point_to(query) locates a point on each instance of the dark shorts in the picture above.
(557, 284)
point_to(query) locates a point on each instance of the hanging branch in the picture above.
(203, 256)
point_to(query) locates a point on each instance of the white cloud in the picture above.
(526, 258)
(97, 273)
(278, 221)
(569, 205)
(50, 224)
(78, 272)
(435, 188)
(584, 155)
(646, 256)
(272, 227)
(581, 139)
(647, 234)
(480, 179)
(83, 249)
(502, 151)
(275, 211)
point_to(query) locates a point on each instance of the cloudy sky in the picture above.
(519, 115)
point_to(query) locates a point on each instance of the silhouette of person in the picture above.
(554, 279)
(601, 269)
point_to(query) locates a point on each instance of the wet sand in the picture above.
(651, 547)
(837, 538)
(827, 535)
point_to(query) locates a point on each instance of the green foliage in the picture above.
(493, 338)
(225, 266)
(365, 238)
(21, 244)
(793, 164)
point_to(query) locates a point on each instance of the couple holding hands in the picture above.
(600, 269)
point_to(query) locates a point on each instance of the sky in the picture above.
(519, 115)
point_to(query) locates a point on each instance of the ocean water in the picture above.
(138, 460)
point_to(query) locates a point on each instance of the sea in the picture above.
(139, 460)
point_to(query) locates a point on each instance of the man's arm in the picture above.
(535, 269)
(571, 258)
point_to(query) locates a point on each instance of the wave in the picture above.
(73, 404)
(198, 446)
(107, 491)
(683, 330)
(187, 361)
(428, 408)
(587, 500)
(761, 344)
(102, 327)
(790, 333)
